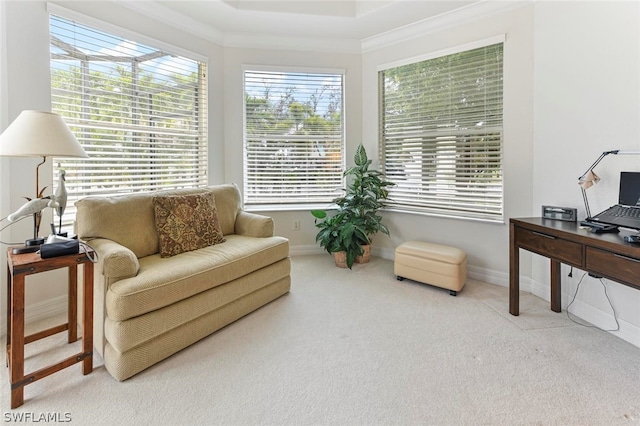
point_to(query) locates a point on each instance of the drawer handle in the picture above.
(633, 259)
(544, 235)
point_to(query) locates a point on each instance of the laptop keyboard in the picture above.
(622, 211)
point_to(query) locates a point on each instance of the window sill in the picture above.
(445, 215)
(287, 207)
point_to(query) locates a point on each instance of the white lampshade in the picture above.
(39, 134)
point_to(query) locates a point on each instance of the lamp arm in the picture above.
(621, 152)
(595, 163)
(586, 204)
(604, 154)
(592, 166)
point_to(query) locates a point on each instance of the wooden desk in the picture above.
(18, 267)
(602, 255)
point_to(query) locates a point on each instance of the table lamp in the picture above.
(590, 178)
(38, 134)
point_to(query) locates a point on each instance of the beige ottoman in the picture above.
(434, 264)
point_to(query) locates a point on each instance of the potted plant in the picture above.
(339, 236)
(357, 219)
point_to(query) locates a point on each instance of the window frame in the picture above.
(466, 212)
(197, 132)
(251, 203)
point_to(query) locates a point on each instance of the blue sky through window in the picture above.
(301, 86)
(97, 43)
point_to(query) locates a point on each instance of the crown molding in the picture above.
(160, 13)
(306, 44)
(457, 17)
(465, 14)
(189, 25)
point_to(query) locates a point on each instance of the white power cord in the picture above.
(606, 295)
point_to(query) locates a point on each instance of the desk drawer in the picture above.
(547, 245)
(615, 266)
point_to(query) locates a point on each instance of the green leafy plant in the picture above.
(338, 233)
(356, 220)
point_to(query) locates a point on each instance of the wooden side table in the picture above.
(18, 267)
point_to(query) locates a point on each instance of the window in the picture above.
(441, 134)
(294, 137)
(139, 112)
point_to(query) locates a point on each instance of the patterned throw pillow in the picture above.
(186, 222)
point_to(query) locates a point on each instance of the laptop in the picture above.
(627, 212)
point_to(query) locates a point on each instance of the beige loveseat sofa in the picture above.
(148, 307)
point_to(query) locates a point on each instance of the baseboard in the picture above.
(601, 319)
(385, 253)
(306, 250)
(606, 321)
(473, 272)
(628, 332)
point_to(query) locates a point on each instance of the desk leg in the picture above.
(72, 315)
(87, 319)
(16, 336)
(514, 273)
(556, 286)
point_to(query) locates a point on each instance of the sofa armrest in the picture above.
(115, 261)
(253, 225)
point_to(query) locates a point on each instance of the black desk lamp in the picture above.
(588, 179)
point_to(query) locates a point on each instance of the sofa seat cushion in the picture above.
(125, 335)
(122, 365)
(163, 281)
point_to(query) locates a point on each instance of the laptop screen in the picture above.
(629, 194)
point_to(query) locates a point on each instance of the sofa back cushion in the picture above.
(129, 219)
(228, 205)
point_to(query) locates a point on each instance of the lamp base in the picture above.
(599, 228)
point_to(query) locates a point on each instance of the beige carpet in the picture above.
(360, 348)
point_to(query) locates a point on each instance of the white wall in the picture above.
(587, 100)
(27, 87)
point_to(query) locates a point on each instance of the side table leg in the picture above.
(87, 318)
(16, 362)
(8, 337)
(72, 315)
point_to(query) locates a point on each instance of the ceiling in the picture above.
(346, 8)
(312, 18)
(353, 22)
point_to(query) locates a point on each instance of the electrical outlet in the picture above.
(296, 225)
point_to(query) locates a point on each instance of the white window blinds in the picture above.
(139, 112)
(441, 134)
(294, 137)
